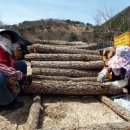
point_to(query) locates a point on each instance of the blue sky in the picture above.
(16, 11)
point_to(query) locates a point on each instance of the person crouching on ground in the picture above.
(119, 65)
(12, 74)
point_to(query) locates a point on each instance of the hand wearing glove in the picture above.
(118, 83)
(102, 75)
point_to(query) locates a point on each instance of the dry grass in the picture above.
(11, 119)
(62, 112)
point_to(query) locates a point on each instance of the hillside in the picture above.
(121, 22)
(54, 29)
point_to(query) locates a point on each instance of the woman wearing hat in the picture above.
(12, 73)
(119, 65)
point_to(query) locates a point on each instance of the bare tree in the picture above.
(104, 32)
(97, 19)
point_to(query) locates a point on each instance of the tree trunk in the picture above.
(70, 88)
(63, 78)
(34, 113)
(121, 111)
(64, 72)
(59, 42)
(91, 46)
(79, 65)
(62, 57)
(52, 42)
(38, 48)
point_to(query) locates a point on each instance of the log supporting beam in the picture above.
(33, 118)
(121, 111)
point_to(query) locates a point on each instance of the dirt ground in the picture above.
(9, 120)
(61, 111)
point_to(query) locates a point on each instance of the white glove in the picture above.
(102, 75)
(118, 83)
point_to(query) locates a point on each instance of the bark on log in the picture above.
(70, 88)
(63, 78)
(64, 72)
(54, 42)
(60, 42)
(92, 46)
(38, 48)
(124, 113)
(62, 57)
(33, 118)
(106, 126)
(79, 65)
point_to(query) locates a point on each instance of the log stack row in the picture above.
(66, 69)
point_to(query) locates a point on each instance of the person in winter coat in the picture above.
(119, 65)
(12, 74)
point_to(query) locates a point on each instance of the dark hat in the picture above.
(17, 39)
(15, 36)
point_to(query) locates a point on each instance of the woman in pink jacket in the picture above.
(12, 74)
(119, 65)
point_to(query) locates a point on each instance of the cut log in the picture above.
(63, 78)
(59, 42)
(124, 113)
(64, 72)
(79, 65)
(38, 48)
(92, 46)
(33, 118)
(107, 126)
(62, 57)
(70, 88)
(54, 42)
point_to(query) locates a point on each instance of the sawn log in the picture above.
(38, 48)
(64, 78)
(62, 57)
(70, 88)
(64, 72)
(79, 65)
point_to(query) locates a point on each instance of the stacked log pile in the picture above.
(66, 69)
